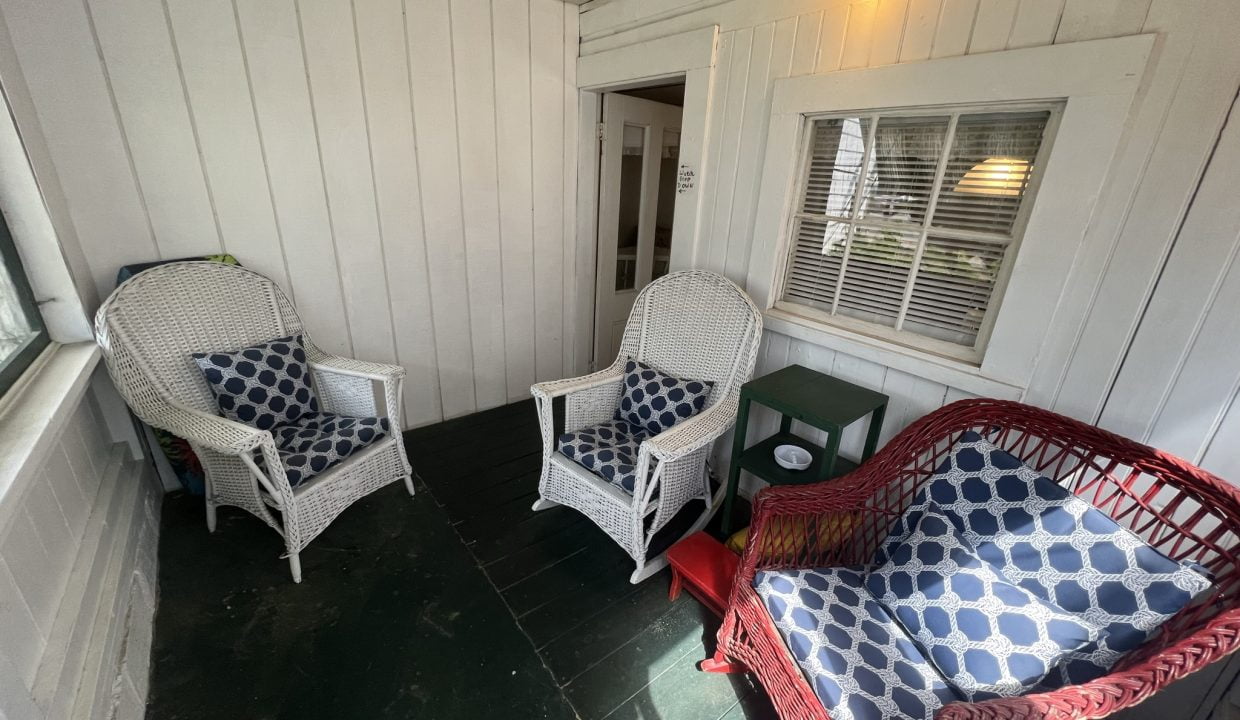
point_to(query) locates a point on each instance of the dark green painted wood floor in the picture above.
(457, 603)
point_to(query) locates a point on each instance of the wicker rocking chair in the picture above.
(148, 329)
(690, 324)
(1183, 511)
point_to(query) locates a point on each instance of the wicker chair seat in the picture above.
(317, 442)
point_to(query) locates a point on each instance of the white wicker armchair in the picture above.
(148, 329)
(691, 324)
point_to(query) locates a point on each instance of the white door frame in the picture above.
(689, 56)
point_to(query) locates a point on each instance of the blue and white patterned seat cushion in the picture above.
(988, 637)
(263, 385)
(1057, 546)
(608, 449)
(317, 441)
(859, 661)
(655, 402)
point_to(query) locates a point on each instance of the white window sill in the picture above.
(35, 410)
(949, 372)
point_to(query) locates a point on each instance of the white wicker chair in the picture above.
(152, 323)
(691, 324)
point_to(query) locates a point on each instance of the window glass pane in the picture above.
(952, 291)
(900, 177)
(988, 170)
(876, 274)
(665, 211)
(22, 335)
(632, 159)
(835, 165)
(17, 325)
(815, 268)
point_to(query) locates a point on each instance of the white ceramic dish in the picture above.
(792, 457)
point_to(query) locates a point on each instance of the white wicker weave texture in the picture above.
(149, 327)
(690, 324)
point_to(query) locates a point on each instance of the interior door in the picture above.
(637, 178)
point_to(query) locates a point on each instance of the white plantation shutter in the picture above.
(905, 220)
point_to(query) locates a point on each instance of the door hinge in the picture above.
(602, 132)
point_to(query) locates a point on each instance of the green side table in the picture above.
(816, 399)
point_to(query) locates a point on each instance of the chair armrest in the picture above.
(218, 433)
(695, 433)
(346, 386)
(335, 364)
(568, 386)
(1120, 689)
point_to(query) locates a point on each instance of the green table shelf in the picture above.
(816, 399)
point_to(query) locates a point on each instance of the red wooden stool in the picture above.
(704, 567)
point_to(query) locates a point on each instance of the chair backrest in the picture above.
(149, 326)
(695, 324)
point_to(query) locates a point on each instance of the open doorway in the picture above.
(639, 149)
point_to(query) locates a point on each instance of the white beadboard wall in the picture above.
(78, 543)
(1170, 135)
(405, 169)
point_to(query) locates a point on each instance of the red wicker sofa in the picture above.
(1182, 510)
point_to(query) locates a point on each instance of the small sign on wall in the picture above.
(684, 179)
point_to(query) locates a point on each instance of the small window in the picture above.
(906, 222)
(22, 335)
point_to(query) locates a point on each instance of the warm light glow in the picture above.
(995, 176)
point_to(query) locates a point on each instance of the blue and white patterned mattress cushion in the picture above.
(317, 441)
(608, 449)
(859, 661)
(262, 385)
(988, 637)
(654, 401)
(1057, 546)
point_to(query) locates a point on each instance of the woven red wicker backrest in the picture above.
(1180, 509)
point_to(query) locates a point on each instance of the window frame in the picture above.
(1097, 110)
(19, 362)
(972, 355)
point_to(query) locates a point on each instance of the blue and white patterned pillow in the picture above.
(317, 441)
(987, 636)
(1060, 548)
(655, 402)
(858, 660)
(263, 385)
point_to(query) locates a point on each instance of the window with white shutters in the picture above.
(907, 221)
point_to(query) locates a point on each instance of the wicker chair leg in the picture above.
(409, 485)
(294, 564)
(647, 568)
(210, 515)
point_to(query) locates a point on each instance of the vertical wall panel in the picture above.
(547, 98)
(717, 230)
(142, 66)
(56, 48)
(474, 70)
(805, 47)
(888, 31)
(919, 30)
(276, 69)
(993, 25)
(329, 35)
(514, 126)
(951, 37)
(389, 116)
(434, 103)
(831, 38)
(859, 35)
(205, 32)
(1036, 23)
(770, 59)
